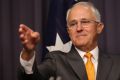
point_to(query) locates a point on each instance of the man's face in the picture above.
(83, 28)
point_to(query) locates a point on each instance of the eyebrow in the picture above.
(72, 21)
(76, 20)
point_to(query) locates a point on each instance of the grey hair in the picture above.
(86, 4)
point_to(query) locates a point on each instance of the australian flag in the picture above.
(55, 36)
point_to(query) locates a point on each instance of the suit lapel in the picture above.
(104, 66)
(77, 64)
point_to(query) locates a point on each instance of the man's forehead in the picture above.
(80, 11)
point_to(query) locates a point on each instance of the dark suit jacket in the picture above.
(70, 66)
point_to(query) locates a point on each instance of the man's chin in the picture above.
(81, 45)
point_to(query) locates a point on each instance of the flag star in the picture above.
(59, 45)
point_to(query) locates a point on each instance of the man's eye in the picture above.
(72, 24)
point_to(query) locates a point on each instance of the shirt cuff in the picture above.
(27, 65)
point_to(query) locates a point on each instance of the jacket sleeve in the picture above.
(43, 71)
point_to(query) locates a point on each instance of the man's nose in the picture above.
(79, 27)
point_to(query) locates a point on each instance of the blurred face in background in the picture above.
(83, 28)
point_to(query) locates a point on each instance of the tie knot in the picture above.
(88, 55)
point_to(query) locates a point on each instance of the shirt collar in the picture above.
(94, 52)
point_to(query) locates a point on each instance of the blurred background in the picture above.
(48, 18)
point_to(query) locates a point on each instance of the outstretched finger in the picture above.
(25, 28)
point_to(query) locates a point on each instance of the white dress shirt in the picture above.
(95, 53)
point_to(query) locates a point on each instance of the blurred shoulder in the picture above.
(56, 54)
(115, 56)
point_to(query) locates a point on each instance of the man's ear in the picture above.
(100, 28)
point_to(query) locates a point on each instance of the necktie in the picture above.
(90, 67)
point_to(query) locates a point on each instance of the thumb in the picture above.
(35, 36)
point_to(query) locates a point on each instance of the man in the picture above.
(84, 26)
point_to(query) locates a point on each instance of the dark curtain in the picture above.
(34, 13)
